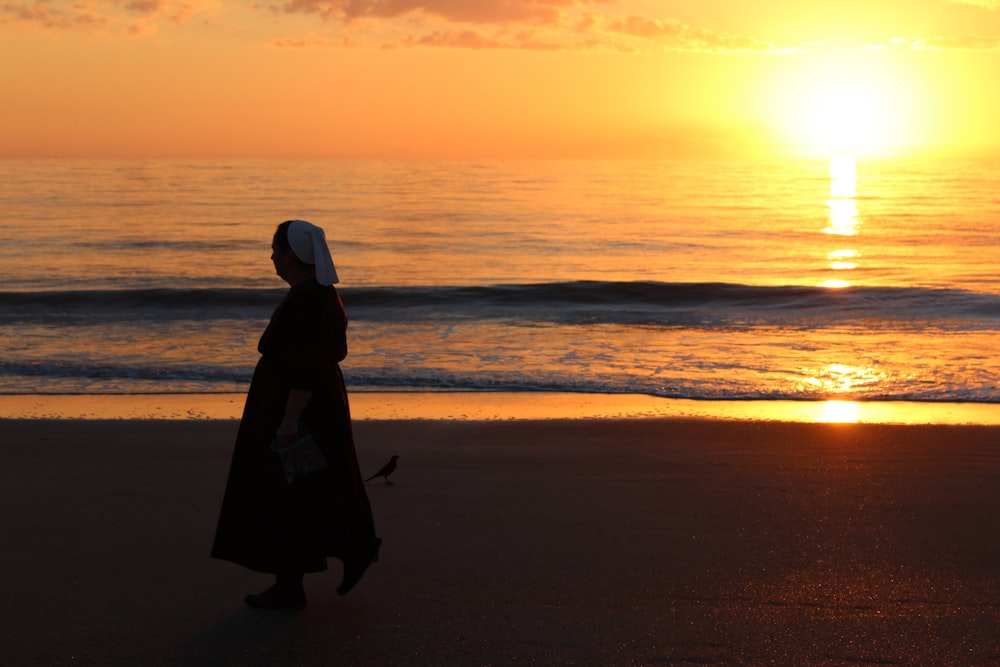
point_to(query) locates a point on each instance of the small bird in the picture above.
(385, 470)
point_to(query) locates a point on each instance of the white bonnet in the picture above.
(308, 242)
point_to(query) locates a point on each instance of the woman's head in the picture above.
(287, 265)
(300, 247)
(280, 239)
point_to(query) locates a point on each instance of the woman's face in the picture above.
(283, 259)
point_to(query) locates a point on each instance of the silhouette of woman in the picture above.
(266, 523)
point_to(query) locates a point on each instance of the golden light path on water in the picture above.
(843, 221)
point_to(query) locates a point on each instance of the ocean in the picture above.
(742, 280)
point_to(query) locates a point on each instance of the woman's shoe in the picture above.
(354, 568)
(278, 597)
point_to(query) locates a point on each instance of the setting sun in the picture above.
(847, 105)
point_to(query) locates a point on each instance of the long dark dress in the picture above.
(266, 523)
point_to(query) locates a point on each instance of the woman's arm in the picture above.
(314, 335)
(297, 401)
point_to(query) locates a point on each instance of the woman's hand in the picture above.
(288, 431)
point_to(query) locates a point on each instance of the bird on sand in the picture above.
(385, 470)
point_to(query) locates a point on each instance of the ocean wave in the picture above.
(70, 307)
(576, 302)
(99, 372)
(663, 303)
(97, 379)
(138, 298)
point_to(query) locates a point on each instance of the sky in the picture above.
(499, 78)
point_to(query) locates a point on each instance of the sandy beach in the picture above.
(651, 541)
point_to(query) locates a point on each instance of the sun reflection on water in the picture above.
(843, 220)
(841, 379)
(844, 174)
(843, 217)
(840, 259)
(839, 412)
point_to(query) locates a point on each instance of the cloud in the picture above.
(54, 15)
(136, 17)
(549, 25)
(462, 39)
(971, 43)
(539, 25)
(986, 4)
(313, 40)
(451, 11)
(530, 25)
(523, 40)
(554, 25)
(671, 34)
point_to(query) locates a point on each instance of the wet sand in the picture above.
(651, 541)
(493, 406)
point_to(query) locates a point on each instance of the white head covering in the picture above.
(308, 242)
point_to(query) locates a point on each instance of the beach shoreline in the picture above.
(493, 406)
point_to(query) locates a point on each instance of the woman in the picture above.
(266, 523)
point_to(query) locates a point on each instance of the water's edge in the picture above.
(494, 406)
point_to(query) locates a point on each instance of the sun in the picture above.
(845, 104)
(842, 113)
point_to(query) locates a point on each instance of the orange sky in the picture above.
(478, 78)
